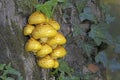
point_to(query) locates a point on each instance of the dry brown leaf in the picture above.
(93, 68)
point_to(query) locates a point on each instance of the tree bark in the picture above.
(13, 17)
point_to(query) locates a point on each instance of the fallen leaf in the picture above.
(93, 68)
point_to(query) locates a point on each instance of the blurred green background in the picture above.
(114, 6)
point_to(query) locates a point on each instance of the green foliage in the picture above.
(62, 77)
(64, 72)
(99, 33)
(66, 4)
(81, 5)
(117, 45)
(2, 66)
(63, 68)
(61, 0)
(109, 18)
(87, 15)
(114, 65)
(78, 30)
(102, 57)
(87, 48)
(117, 48)
(7, 70)
(48, 7)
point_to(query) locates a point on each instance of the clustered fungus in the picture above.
(46, 42)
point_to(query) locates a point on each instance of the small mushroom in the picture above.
(32, 45)
(56, 65)
(45, 50)
(54, 24)
(43, 31)
(36, 18)
(46, 62)
(58, 52)
(28, 29)
(58, 39)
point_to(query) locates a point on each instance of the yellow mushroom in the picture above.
(32, 45)
(46, 62)
(43, 31)
(56, 65)
(45, 50)
(58, 39)
(28, 29)
(58, 52)
(36, 18)
(43, 40)
(54, 24)
(47, 19)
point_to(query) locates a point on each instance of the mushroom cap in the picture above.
(32, 45)
(54, 24)
(58, 52)
(58, 39)
(45, 50)
(56, 65)
(46, 62)
(43, 31)
(36, 18)
(43, 40)
(47, 19)
(28, 29)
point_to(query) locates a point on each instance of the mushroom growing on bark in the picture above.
(56, 65)
(58, 39)
(46, 62)
(45, 50)
(32, 45)
(54, 24)
(58, 52)
(43, 31)
(28, 29)
(36, 18)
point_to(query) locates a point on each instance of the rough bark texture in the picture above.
(13, 17)
(13, 14)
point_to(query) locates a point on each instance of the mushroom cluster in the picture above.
(46, 42)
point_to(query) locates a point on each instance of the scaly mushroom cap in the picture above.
(45, 50)
(43, 31)
(28, 29)
(54, 24)
(58, 39)
(46, 62)
(36, 18)
(58, 52)
(56, 64)
(32, 45)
